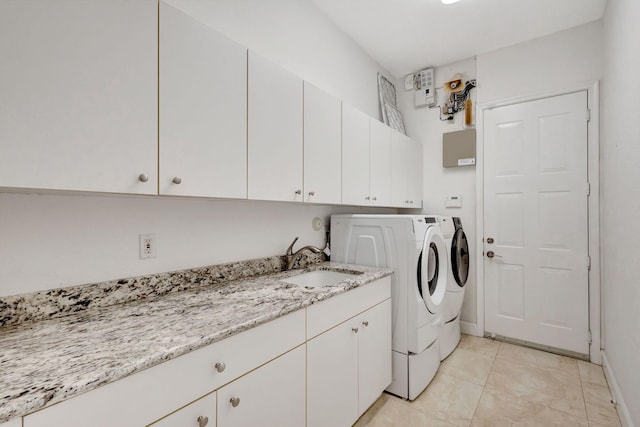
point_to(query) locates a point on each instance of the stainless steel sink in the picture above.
(319, 278)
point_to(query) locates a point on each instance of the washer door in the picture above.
(460, 257)
(432, 269)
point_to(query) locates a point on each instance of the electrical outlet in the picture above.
(147, 246)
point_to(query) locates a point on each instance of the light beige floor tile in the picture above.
(564, 367)
(467, 365)
(603, 413)
(390, 411)
(449, 398)
(485, 346)
(542, 386)
(596, 393)
(591, 373)
(498, 409)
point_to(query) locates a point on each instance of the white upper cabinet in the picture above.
(406, 171)
(322, 146)
(380, 163)
(355, 157)
(414, 168)
(274, 132)
(203, 109)
(78, 91)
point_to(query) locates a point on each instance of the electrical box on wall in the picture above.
(459, 148)
(424, 85)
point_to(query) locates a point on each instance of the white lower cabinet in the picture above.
(201, 413)
(332, 378)
(348, 366)
(374, 354)
(270, 396)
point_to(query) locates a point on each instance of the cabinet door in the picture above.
(414, 178)
(332, 377)
(374, 356)
(380, 163)
(275, 132)
(203, 109)
(16, 422)
(78, 85)
(322, 146)
(355, 157)
(202, 412)
(270, 396)
(399, 170)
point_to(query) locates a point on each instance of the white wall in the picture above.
(552, 63)
(49, 241)
(543, 65)
(621, 152)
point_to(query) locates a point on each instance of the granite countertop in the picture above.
(47, 361)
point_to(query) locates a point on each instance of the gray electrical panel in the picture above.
(459, 148)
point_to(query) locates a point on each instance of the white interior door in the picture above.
(536, 191)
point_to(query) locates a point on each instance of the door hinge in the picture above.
(588, 188)
(588, 262)
(590, 337)
(588, 115)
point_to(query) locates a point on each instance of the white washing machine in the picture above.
(458, 250)
(414, 248)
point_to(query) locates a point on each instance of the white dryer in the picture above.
(458, 250)
(414, 248)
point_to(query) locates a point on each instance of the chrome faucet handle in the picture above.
(290, 248)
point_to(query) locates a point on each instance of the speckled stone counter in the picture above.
(47, 361)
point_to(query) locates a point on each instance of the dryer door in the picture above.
(460, 257)
(432, 269)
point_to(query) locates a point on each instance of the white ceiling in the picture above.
(405, 36)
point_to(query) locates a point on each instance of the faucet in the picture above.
(291, 257)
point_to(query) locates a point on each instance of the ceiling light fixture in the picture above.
(449, 1)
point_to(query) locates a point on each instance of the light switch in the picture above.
(453, 201)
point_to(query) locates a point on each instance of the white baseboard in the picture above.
(470, 329)
(616, 394)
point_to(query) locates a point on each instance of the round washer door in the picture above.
(460, 257)
(432, 269)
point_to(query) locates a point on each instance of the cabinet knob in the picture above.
(355, 330)
(411, 201)
(235, 401)
(312, 193)
(367, 198)
(202, 421)
(365, 323)
(176, 180)
(143, 177)
(298, 191)
(374, 198)
(220, 366)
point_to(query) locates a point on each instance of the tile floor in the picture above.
(493, 384)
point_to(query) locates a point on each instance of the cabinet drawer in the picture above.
(329, 313)
(201, 412)
(150, 394)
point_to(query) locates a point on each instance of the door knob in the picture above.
(491, 254)
(489, 240)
